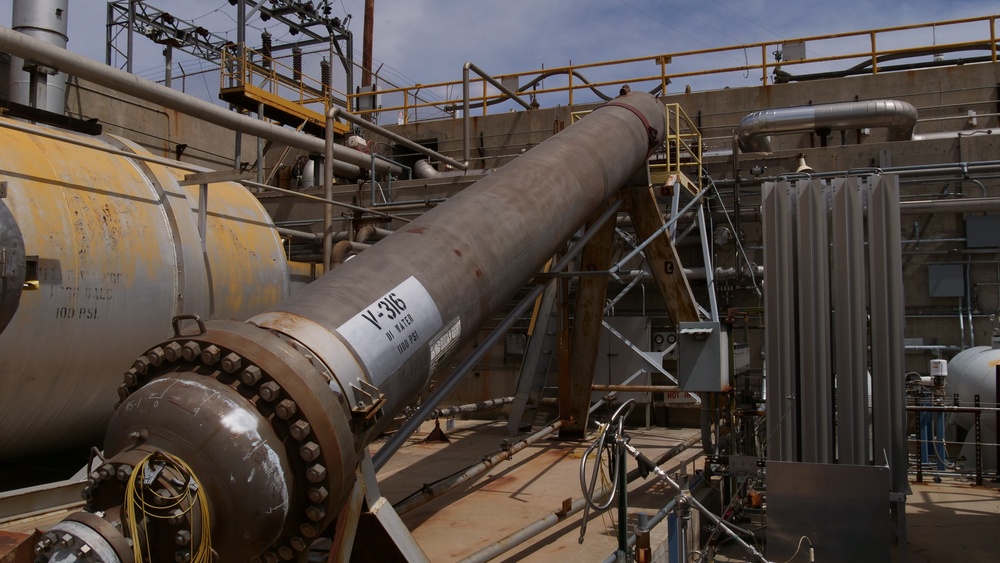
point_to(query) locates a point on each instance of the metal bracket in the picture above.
(368, 401)
(3, 189)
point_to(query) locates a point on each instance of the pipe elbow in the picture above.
(750, 132)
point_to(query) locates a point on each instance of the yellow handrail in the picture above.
(662, 77)
(242, 67)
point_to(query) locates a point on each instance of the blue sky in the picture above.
(426, 41)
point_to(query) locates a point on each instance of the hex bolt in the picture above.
(286, 409)
(285, 553)
(84, 551)
(210, 356)
(172, 351)
(251, 376)
(316, 473)
(308, 530)
(177, 516)
(42, 546)
(232, 362)
(156, 356)
(87, 493)
(299, 429)
(309, 451)
(141, 365)
(191, 350)
(132, 377)
(318, 494)
(298, 544)
(124, 472)
(269, 557)
(66, 540)
(182, 537)
(182, 556)
(123, 392)
(315, 513)
(269, 391)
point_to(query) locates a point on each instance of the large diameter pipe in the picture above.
(453, 272)
(900, 117)
(347, 162)
(302, 389)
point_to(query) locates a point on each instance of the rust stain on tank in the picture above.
(457, 252)
(417, 230)
(479, 273)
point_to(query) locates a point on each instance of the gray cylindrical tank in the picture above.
(111, 253)
(45, 20)
(974, 372)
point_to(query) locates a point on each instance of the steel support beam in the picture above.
(661, 255)
(585, 337)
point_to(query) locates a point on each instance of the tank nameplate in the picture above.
(391, 329)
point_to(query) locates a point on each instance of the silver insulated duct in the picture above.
(899, 117)
(44, 20)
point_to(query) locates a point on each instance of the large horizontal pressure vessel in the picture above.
(115, 248)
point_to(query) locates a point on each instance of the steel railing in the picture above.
(762, 58)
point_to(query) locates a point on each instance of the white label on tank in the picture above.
(389, 331)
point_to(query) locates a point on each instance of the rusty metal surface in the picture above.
(664, 263)
(472, 254)
(591, 293)
(119, 254)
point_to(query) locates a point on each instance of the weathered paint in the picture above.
(119, 255)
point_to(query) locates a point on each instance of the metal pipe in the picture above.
(486, 405)
(466, 128)
(328, 156)
(635, 388)
(963, 205)
(900, 117)
(325, 200)
(438, 489)
(694, 201)
(350, 162)
(364, 124)
(324, 371)
(393, 444)
(537, 527)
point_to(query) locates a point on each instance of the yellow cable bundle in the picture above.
(136, 507)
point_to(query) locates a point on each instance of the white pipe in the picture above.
(347, 162)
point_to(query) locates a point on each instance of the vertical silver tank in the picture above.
(101, 252)
(45, 20)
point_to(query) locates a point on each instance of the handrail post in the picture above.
(571, 85)
(466, 132)
(874, 54)
(763, 64)
(993, 38)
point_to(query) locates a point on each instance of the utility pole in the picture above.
(366, 56)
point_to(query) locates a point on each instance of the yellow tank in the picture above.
(111, 253)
